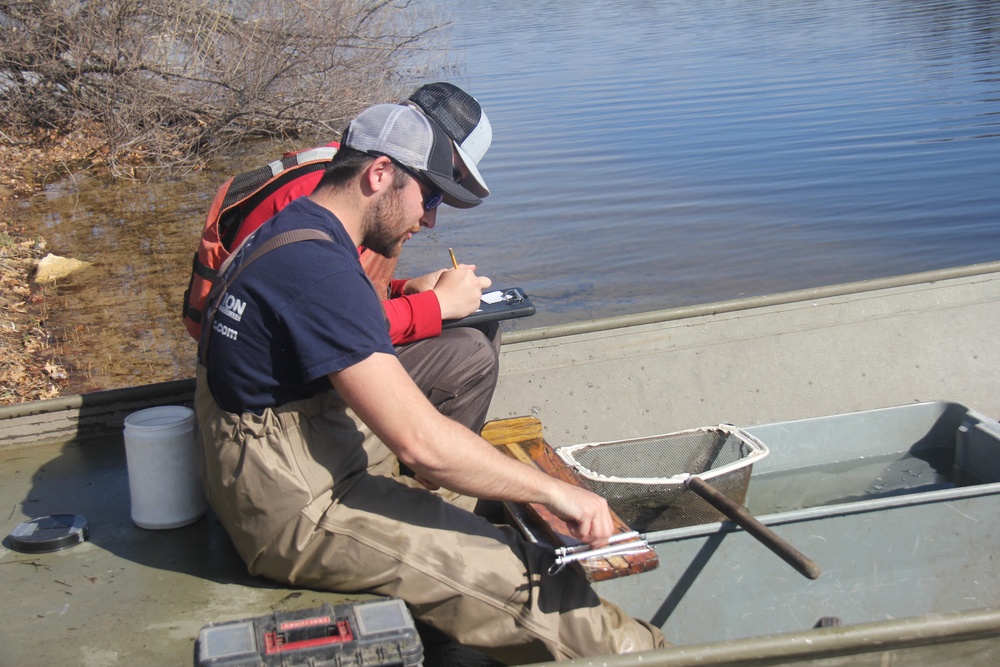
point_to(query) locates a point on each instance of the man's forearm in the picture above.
(450, 455)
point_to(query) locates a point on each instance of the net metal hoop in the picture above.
(756, 450)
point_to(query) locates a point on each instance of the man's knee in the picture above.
(457, 371)
(451, 359)
(478, 352)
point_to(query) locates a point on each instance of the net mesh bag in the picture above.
(643, 479)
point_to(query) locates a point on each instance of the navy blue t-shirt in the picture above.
(297, 313)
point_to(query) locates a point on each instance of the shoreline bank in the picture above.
(29, 366)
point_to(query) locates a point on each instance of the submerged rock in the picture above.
(52, 267)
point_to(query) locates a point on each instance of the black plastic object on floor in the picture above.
(49, 533)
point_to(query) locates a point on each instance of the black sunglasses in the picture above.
(431, 200)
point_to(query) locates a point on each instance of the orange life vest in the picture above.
(245, 202)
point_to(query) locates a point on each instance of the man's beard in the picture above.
(384, 226)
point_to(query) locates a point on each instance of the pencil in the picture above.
(453, 260)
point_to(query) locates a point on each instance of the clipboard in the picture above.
(503, 304)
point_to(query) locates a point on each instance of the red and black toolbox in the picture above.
(379, 633)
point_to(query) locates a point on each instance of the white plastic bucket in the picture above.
(164, 476)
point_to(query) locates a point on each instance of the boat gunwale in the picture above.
(747, 303)
(816, 643)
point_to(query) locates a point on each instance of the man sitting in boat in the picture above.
(456, 368)
(306, 413)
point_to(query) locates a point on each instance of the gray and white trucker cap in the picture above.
(464, 120)
(412, 139)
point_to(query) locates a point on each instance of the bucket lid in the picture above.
(49, 533)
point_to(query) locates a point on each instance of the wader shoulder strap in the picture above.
(221, 285)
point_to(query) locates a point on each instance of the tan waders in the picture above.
(311, 498)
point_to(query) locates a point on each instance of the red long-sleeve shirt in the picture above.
(413, 316)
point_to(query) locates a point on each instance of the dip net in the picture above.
(644, 479)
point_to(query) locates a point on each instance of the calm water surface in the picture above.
(646, 155)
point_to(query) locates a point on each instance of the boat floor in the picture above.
(127, 596)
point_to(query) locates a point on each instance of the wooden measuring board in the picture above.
(521, 438)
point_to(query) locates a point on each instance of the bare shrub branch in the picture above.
(171, 82)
